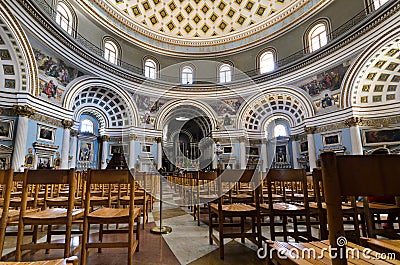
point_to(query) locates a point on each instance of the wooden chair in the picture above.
(71, 260)
(221, 210)
(49, 216)
(289, 180)
(107, 215)
(205, 192)
(319, 208)
(7, 182)
(353, 175)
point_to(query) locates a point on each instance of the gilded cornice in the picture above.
(105, 138)
(310, 130)
(67, 124)
(24, 110)
(74, 133)
(353, 121)
(48, 120)
(294, 137)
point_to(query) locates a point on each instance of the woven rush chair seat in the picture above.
(234, 207)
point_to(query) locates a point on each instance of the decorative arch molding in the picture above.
(288, 102)
(352, 82)
(96, 113)
(28, 58)
(86, 83)
(165, 110)
(277, 116)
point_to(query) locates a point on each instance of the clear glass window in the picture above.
(225, 73)
(87, 126)
(187, 75)
(111, 52)
(150, 69)
(267, 62)
(280, 130)
(318, 37)
(64, 17)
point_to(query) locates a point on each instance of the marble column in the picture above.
(132, 153)
(104, 150)
(312, 159)
(73, 148)
(295, 151)
(66, 143)
(264, 156)
(24, 113)
(355, 135)
(242, 145)
(214, 155)
(159, 152)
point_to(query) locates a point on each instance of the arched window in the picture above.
(187, 75)
(379, 3)
(317, 37)
(225, 73)
(111, 51)
(64, 17)
(280, 130)
(267, 62)
(150, 69)
(87, 126)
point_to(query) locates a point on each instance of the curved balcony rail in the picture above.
(281, 64)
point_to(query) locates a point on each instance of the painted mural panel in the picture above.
(324, 86)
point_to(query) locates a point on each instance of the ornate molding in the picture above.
(74, 133)
(45, 119)
(310, 130)
(353, 121)
(105, 138)
(67, 124)
(132, 137)
(24, 110)
(37, 145)
(158, 139)
(295, 137)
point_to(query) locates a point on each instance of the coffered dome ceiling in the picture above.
(206, 27)
(199, 18)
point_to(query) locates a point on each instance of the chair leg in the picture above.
(85, 236)
(20, 236)
(295, 228)
(221, 236)
(101, 229)
(272, 226)
(35, 234)
(284, 223)
(242, 220)
(138, 234)
(48, 237)
(210, 226)
(130, 240)
(68, 233)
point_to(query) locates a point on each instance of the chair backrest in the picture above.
(354, 175)
(295, 178)
(45, 177)
(210, 176)
(110, 177)
(239, 175)
(6, 179)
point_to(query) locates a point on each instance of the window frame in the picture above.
(117, 50)
(84, 123)
(68, 19)
(225, 76)
(308, 37)
(191, 73)
(149, 74)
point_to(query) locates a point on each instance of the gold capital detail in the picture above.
(24, 110)
(74, 133)
(67, 124)
(105, 138)
(353, 121)
(294, 138)
(310, 130)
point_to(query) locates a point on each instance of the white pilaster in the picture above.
(355, 135)
(159, 153)
(311, 148)
(104, 150)
(65, 143)
(242, 145)
(24, 112)
(295, 151)
(264, 156)
(132, 153)
(73, 147)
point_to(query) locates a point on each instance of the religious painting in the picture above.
(146, 148)
(254, 151)
(387, 136)
(303, 147)
(332, 139)
(327, 80)
(46, 134)
(44, 162)
(50, 90)
(6, 129)
(226, 107)
(55, 67)
(281, 154)
(86, 150)
(227, 149)
(118, 149)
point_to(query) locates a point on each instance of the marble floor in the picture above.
(187, 244)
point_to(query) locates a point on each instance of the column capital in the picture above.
(353, 121)
(158, 139)
(74, 133)
(105, 138)
(310, 130)
(294, 137)
(24, 110)
(67, 124)
(132, 137)
(242, 139)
